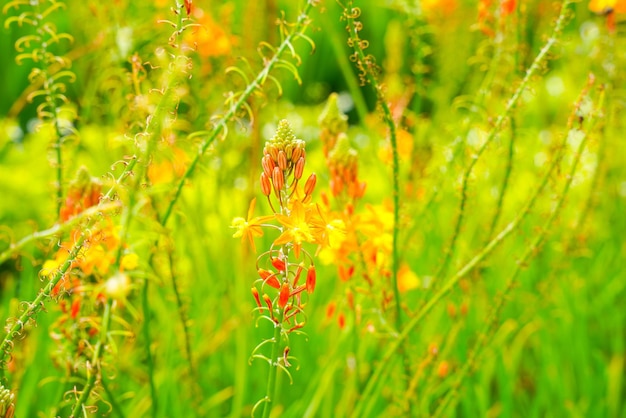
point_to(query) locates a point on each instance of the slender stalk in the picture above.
(531, 251)
(270, 391)
(145, 329)
(505, 181)
(182, 314)
(497, 128)
(365, 65)
(94, 369)
(447, 287)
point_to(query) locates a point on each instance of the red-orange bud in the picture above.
(282, 160)
(310, 184)
(283, 297)
(278, 179)
(266, 186)
(297, 172)
(310, 279)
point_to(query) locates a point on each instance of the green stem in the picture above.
(368, 393)
(94, 369)
(530, 252)
(535, 67)
(270, 391)
(145, 305)
(365, 66)
(505, 181)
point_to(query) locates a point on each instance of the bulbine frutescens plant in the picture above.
(286, 270)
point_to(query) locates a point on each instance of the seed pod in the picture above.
(310, 184)
(266, 186)
(282, 160)
(297, 173)
(278, 179)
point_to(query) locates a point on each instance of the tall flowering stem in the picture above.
(286, 271)
(368, 70)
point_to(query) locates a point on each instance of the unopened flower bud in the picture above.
(278, 179)
(266, 186)
(289, 151)
(268, 165)
(310, 184)
(296, 154)
(297, 173)
(282, 160)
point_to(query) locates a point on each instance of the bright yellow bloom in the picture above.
(297, 227)
(251, 227)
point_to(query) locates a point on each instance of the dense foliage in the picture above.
(315, 208)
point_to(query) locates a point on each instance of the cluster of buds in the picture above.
(283, 163)
(341, 158)
(344, 169)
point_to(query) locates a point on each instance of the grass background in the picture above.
(558, 345)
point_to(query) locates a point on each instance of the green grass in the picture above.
(478, 333)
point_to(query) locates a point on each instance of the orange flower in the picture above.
(251, 227)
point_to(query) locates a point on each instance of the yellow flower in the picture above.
(297, 228)
(251, 227)
(129, 261)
